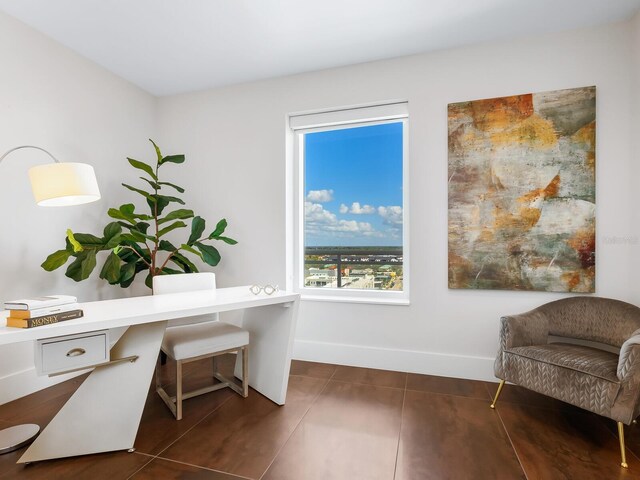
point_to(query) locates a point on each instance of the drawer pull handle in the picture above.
(76, 352)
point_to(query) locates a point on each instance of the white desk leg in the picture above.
(272, 329)
(103, 415)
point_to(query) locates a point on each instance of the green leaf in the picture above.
(189, 248)
(118, 215)
(197, 227)
(146, 195)
(184, 262)
(179, 214)
(173, 159)
(220, 228)
(127, 208)
(139, 267)
(179, 189)
(126, 212)
(228, 240)
(111, 269)
(113, 242)
(148, 169)
(158, 153)
(154, 185)
(142, 251)
(210, 254)
(136, 236)
(82, 266)
(74, 243)
(157, 201)
(56, 260)
(170, 271)
(111, 230)
(173, 226)
(149, 281)
(172, 199)
(88, 240)
(141, 227)
(166, 246)
(127, 272)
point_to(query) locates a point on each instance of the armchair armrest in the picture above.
(629, 361)
(530, 328)
(626, 406)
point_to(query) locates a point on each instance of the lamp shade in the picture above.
(62, 184)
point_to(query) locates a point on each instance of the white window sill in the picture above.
(344, 299)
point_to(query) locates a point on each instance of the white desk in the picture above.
(104, 413)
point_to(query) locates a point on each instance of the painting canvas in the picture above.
(522, 192)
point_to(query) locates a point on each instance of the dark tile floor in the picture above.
(345, 423)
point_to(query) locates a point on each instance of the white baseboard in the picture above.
(19, 384)
(428, 363)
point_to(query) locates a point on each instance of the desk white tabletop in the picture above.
(124, 312)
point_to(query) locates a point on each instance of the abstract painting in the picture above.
(522, 192)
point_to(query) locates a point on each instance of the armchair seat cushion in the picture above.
(582, 376)
(587, 360)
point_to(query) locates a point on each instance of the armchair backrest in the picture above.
(186, 282)
(596, 319)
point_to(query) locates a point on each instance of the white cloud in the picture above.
(315, 213)
(321, 221)
(320, 196)
(357, 209)
(391, 215)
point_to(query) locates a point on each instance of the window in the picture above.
(349, 216)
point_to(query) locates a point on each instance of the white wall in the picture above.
(234, 139)
(635, 141)
(53, 98)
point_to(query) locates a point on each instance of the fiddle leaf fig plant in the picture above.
(134, 241)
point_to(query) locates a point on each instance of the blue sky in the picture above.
(353, 186)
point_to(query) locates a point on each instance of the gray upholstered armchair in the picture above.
(603, 377)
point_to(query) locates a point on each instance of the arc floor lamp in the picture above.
(56, 184)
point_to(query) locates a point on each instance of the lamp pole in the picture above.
(5, 154)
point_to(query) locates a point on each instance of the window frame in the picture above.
(327, 121)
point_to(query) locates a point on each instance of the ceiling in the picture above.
(175, 46)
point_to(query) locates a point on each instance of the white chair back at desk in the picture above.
(186, 282)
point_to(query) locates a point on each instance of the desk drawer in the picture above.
(59, 354)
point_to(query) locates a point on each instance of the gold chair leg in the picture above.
(622, 449)
(495, 399)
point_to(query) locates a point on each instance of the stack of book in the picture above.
(39, 311)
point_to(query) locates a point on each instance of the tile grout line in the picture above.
(164, 449)
(193, 426)
(511, 442)
(143, 465)
(448, 394)
(202, 468)
(404, 396)
(296, 428)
